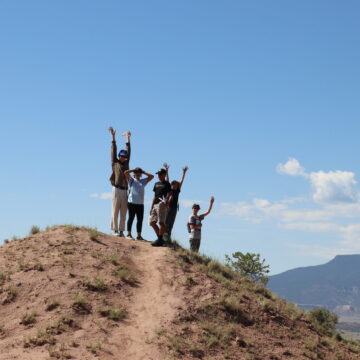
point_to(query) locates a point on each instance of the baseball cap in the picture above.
(161, 171)
(123, 153)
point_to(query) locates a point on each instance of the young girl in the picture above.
(136, 199)
(195, 225)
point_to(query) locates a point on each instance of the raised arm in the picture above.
(185, 169)
(128, 147)
(166, 167)
(127, 174)
(149, 176)
(212, 199)
(113, 145)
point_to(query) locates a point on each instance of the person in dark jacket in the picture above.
(119, 164)
(172, 201)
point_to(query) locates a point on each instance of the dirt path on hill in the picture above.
(154, 304)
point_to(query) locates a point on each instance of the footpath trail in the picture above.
(155, 301)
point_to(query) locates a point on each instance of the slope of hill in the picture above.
(74, 293)
(335, 285)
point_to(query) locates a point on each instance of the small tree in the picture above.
(250, 265)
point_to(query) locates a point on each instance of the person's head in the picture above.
(137, 173)
(195, 208)
(161, 174)
(123, 156)
(175, 185)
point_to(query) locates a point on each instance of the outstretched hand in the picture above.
(112, 131)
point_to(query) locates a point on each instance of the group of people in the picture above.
(128, 187)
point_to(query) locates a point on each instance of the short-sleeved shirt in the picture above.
(136, 190)
(161, 189)
(173, 203)
(195, 220)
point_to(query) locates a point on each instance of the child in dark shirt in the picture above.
(172, 201)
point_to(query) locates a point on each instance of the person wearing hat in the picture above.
(158, 208)
(119, 163)
(136, 199)
(194, 225)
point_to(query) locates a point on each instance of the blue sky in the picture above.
(258, 98)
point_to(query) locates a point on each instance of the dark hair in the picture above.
(138, 170)
(174, 182)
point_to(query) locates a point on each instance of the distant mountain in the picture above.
(335, 285)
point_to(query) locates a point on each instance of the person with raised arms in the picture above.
(119, 164)
(136, 199)
(172, 202)
(194, 225)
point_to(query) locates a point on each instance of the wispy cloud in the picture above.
(101, 196)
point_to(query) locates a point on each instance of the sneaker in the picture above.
(121, 234)
(129, 237)
(158, 242)
(140, 238)
(116, 233)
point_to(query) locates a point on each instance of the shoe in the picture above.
(116, 233)
(129, 237)
(140, 238)
(121, 234)
(157, 242)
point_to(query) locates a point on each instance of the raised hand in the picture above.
(185, 169)
(212, 199)
(166, 166)
(112, 131)
(126, 133)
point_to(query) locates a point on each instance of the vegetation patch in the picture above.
(124, 274)
(10, 295)
(34, 230)
(29, 319)
(80, 305)
(41, 338)
(96, 284)
(114, 314)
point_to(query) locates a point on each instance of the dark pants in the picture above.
(138, 210)
(170, 219)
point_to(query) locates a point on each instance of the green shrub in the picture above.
(323, 320)
(250, 265)
(34, 230)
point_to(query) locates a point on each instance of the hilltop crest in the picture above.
(75, 293)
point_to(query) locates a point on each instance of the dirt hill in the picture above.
(74, 293)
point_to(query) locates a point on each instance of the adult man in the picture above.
(158, 207)
(118, 181)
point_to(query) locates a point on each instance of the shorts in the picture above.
(158, 213)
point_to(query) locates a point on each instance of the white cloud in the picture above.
(334, 186)
(312, 226)
(102, 196)
(291, 167)
(255, 212)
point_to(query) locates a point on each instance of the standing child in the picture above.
(136, 199)
(195, 225)
(158, 207)
(172, 201)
